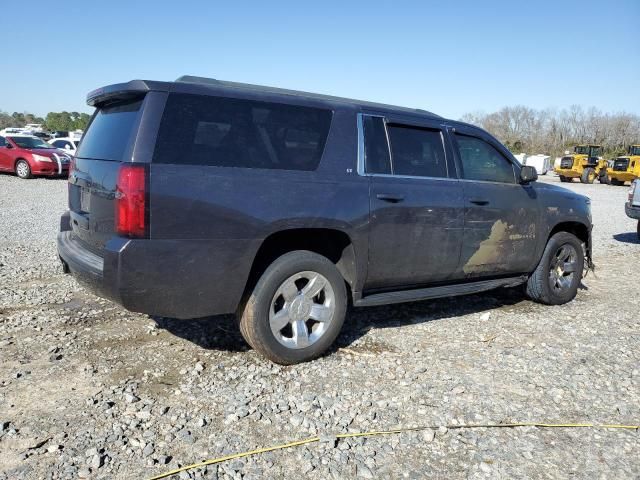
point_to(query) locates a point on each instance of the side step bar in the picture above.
(437, 292)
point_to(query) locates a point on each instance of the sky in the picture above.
(447, 57)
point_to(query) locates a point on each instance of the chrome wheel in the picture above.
(22, 169)
(302, 309)
(563, 268)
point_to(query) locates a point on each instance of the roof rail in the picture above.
(283, 91)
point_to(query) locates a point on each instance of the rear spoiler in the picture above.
(123, 91)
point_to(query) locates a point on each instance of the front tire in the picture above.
(23, 170)
(556, 279)
(603, 177)
(588, 175)
(296, 309)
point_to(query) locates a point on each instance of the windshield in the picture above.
(30, 142)
(582, 150)
(634, 150)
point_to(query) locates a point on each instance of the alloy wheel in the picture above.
(563, 268)
(302, 309)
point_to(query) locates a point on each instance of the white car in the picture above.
(67, 144)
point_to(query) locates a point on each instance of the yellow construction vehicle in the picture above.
(625, 168)
(586, 164)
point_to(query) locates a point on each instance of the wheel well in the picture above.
(333, 244)
(580, 230)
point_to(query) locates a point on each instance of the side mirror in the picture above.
(528, 174)
(67, 147)
(8, 145)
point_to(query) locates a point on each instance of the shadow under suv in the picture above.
(201, 197)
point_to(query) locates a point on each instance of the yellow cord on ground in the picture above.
(388, 432)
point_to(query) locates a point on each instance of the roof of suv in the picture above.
(103, 94)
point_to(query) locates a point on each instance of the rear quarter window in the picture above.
(110, 132)
(227, 132)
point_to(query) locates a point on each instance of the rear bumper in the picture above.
(622, 176)
(168, 278)
(631, 211)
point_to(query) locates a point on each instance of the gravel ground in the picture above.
(89, 390)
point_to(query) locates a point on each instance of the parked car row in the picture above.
(28, 155)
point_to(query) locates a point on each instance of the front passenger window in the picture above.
(3, 142)
(481, 161)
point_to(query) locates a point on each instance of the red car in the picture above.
(27, 156)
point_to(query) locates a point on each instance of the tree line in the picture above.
(53, 121)
(552, 131)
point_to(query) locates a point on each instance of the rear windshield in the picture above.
(227, 132)
(110, 132)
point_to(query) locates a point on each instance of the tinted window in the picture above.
(226, 132)
(376, 149)
(417, 152)
(481, 161)
(58, 144)
(3, 142)
(30, 142)
(110, 131)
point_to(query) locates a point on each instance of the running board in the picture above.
(437, 292)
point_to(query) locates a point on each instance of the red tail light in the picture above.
(131, 201)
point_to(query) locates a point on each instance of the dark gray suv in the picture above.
(201, 197)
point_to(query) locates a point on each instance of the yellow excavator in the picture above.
(586, 163)
(625, 168)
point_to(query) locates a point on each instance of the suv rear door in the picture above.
(108, 142)
(416, 201)
(501, 216)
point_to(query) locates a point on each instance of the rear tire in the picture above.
(296, 309)
(563, 179)
(556, 279)
(588, 175)
(616, 182)
(23, 170)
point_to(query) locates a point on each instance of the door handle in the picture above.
(476, 201)
(390, 197)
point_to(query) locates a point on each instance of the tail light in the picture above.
(132, 215)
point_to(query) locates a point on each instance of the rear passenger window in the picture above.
(376, 149)
(417, 152)
(481, 161)
(226, 132)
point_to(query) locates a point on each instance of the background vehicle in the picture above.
(59, 134)
(632, 207)
(27, 155)
(200, 197)
(586, 164)
(69, 145)
(625, 168)
(542, 163)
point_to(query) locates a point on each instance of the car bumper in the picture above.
(166, 278)
(632, 211)
(50, 169)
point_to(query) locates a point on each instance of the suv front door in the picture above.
(501, 216)
(416, 203)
